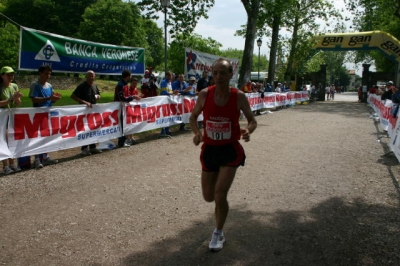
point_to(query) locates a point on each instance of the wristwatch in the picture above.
(10, 100)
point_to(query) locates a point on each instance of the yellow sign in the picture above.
(370, 40)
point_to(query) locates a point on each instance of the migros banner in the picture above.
(369, 40)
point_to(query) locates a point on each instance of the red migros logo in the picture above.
(51, 123)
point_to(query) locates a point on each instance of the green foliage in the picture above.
(10, 45)
(383, 15)
(176, 53)
(61, 17)
(155, 41)
(183, 15)
(113, 22)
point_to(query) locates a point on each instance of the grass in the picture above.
(106, 97)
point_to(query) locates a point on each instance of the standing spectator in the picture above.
(268, 88)
(181, 87)
(10, 97)
(332, 91)
(146, 78)
(87, 93)
(42, 95)
(373, 90)
(211, 81)
(247, 87)
(166, 90)
(278, 88)
(221, 152)
(119, 96)
(202, 83)
(387, 94)
(192, 85)
(328, 92)
(133, 91)
(149, 89)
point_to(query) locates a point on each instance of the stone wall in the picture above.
(58, 82)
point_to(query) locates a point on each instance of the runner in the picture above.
(221, 153)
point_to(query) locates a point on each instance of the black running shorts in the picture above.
(212, 157)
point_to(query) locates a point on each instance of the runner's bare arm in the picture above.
(243, 104)
(198, 108)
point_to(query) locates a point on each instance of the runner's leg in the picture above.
(224, 182)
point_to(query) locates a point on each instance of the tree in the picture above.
(154, 39)
(380, 15)
(10, 45)
(303, 18)
(176, 53)
(113, 22)
(252, 8)
(60, 17)
(182, 14)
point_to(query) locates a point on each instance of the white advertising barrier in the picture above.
(273, 99)
(395, 140)
(39, 130)
(157, 112)
(382, 108)
(391, 123)
(4, 151)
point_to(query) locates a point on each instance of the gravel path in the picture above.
(316, 190)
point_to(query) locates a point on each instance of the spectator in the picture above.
(87, 93)
(179, 86)
(332, 91)
(211, 81)
(42, 95)
(146, 78)
(387, 94)
(192, 85)
(373, 90)
(119, 96)
(166, 90)
(268, 88)
(133, 91)
(10, 97)
(247, 87)
(328, 92)
(360, 93)
(202, 83)
(278, 88)
(149, 89)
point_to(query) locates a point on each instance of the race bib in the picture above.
(218, 130)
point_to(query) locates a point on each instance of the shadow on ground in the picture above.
(333, 233)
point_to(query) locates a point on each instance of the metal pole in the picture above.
(165, 41)
(259, 64)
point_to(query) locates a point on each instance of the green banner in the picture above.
(71, 55)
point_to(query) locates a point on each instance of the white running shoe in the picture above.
(217, 242)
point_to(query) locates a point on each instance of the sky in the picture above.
(227, 16)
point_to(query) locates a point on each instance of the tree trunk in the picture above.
(289, 67)
(252, 8)
(274, 49)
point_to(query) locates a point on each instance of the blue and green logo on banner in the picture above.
(70, 55)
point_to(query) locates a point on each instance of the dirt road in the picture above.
(316, 190)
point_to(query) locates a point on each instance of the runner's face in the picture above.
(221, 73)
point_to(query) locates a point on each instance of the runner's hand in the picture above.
(197, 139)
(245, 134)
